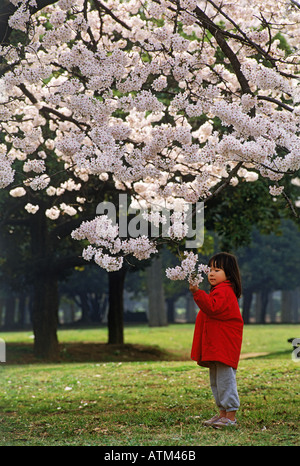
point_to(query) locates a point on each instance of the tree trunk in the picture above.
(1, 311)
(10, 306)
(170, 302)
(264, 304)
(157, 305)
(85, 308)
(116, 307)
(297, 292)
(45, 317)
(289, 306)
(45, 290)
(261, 306)
(21, 316)
(190, 309)
(247, 301)
(271, 308)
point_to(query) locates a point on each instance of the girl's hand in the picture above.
(193, 288)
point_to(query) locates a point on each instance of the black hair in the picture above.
(228, 263)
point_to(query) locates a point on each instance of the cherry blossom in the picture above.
(136, 96)
(188, 269)
(17, 192)
(31, 209)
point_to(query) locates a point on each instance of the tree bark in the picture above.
(261, 306)
(190, 309)
(289, 306)
(85, 309)
(264, 304)
(45, 290)
(116, 307)
(157, 306)
(247, 301)
(45, 317)
(21, 311)
(10, 307)
(170, 303)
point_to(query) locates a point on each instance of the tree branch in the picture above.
(275, 101)
(99, 5)
(7, 9)
(218, 34)
(225, 183)
(46, 110)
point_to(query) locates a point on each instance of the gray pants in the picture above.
(223, 386)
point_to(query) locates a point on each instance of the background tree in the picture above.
(270, 263)
(170, 102)
(87, 287)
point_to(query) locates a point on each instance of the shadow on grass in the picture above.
(22, 353)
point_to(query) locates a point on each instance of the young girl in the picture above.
(218, 335)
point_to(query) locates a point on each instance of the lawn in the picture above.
(149, 402)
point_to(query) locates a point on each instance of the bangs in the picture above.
(217, 262)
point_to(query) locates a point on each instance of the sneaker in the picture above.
(223, 422)
(210, 422)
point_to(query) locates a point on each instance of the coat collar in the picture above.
(220, 285)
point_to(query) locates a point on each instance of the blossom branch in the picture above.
(99, 5)
(275, 101)
(228, 52)
(44, 110)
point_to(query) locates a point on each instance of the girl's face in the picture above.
(216, 276)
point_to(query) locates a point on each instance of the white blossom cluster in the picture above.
(188, 270)
(106, 248)
(136, 95)
(37, 166)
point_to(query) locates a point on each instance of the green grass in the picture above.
(154, 403)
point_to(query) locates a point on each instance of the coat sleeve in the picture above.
(213, 304)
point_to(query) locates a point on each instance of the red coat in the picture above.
(218, 327)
